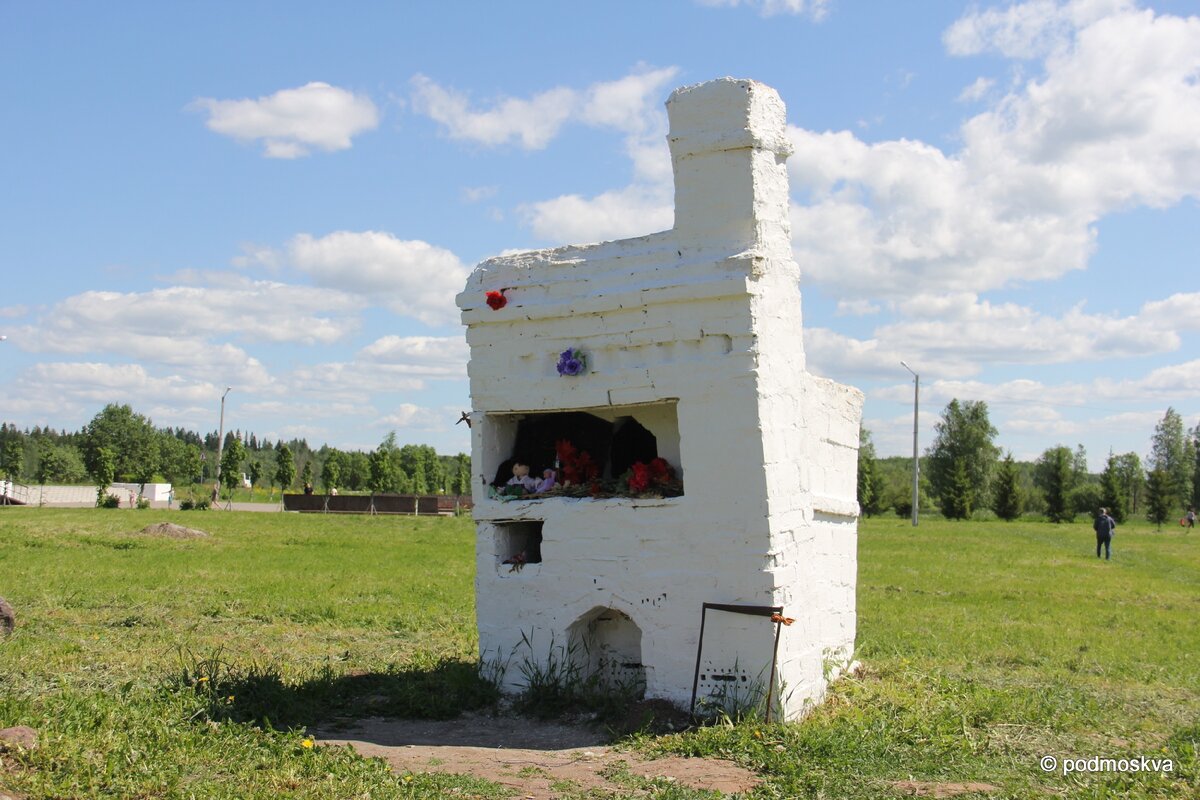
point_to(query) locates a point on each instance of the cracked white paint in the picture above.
(696, 332)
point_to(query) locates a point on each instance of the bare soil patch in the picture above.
(173, 531)
(531, 757)
(930, 789)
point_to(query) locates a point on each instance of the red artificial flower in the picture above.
(497, 300)
(660, 470)
(577, 465)
(588, 469)
(639, 478)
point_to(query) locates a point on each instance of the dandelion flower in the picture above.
(307, 744)
(202, 679)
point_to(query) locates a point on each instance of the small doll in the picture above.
(521, 478)
(547, 482)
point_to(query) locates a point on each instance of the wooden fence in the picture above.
(425, 505)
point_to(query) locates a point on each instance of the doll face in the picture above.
(520, 470)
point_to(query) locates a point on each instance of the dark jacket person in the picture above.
(1104, 526)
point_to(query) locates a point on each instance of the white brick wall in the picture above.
(704, 322)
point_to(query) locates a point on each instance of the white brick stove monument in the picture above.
(693, 347)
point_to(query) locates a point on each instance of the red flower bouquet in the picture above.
(497, 300)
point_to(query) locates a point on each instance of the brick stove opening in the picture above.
(607, 645)
(518, 543)
(614, 438)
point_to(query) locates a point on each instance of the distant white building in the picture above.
(692, 352)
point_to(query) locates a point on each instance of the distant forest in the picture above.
(121, 445)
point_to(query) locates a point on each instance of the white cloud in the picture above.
(856, 308)
(976, 91)
(1110, 125)
(293, 122)
(628, 104)
(157, 324)
(475, 194)
(410, 416)
(254, 255)
(1180, 312)
(959, 334)
(631, 105)
(532, 123)
(426, 355)
(412, 278)
(816, 10)
(621, 213)
(1165, 385)
(77, 390)
(1027, 30)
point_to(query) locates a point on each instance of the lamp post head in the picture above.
(907, 367)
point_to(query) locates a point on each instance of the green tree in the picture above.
(102, 469)
(957, 501)
(12, 458)
(1171, 452)
(58, 463)
(961, 458)
(1195, 437)
(412, 463)
(435, 471)
(331, 470)
(868, 490)
(285, 468)
(356, 470)
(1132, 479)
(1112, 494)
(1006, 490)
(254, 473)
(1054, 474)
(179, 461)
(128, 437)
(382, 472)
(306, 474)
(231, 465)
(1160, 496)
(462, 474)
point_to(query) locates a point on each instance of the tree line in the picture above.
(964, 472)
(121, 445)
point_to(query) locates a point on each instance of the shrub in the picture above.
(108, 501)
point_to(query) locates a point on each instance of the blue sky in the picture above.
(285, 197)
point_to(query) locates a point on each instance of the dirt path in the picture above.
(536, 759)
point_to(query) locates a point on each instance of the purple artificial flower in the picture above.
(571, 362)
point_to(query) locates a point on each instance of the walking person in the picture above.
(1190, 518)
(1105, 526)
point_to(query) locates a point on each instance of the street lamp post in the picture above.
(916, 461)
(221, 437)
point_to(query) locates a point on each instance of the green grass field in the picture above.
(182, 668)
